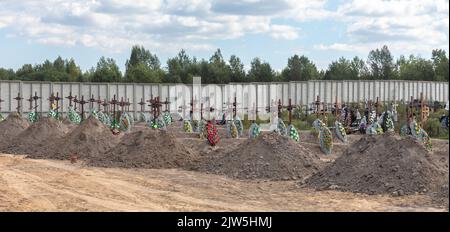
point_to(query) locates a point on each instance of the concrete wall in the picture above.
(248, 94)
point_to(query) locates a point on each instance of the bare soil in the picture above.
(53, 185)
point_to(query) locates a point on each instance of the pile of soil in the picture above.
(36, 137)
(11, 127)
(90, 139)
(384, 164)
(146, 148)
(270, 157)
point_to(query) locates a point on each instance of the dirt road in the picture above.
(48, 185)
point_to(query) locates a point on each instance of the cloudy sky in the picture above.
(32, 31)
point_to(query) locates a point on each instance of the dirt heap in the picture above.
(35, 138)
(384, 164)
(90, 139)
(270, 156)
(11, 127)
(147, 148)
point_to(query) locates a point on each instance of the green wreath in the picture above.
(187, 127)
(167, 119)
(293, 133)
(254, 131)
(281, 127)
(33, 117)
(325, 140)
(74, 117)
(239, 125)
(1, 117)
(340, 131)
(232, 130)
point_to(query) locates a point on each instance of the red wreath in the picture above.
(213, 136)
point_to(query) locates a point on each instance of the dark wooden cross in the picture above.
(337, 107)
(105, 105)
(114, 102)
(127, 104)
(35, 98)
(31, 102)
(99, 102)
(52, 99)
(1, 100)
(57, 99)
(19, 102)
(290, 107)
(142, 103)
(320, 110)
(122, 104)
(91, 102)
(70, 97)
(75, 101)
(166, 104)
(377, 106)
(234, 107)
(156, 104)
(82, 102)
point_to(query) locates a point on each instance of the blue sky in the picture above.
(32, 31)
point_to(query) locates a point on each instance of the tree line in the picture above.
(145, 67)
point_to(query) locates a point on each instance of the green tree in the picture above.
(260, 71)
(74, 72)
(181, 69)
(220, 72)
(300, 69)
(143, 62)
(107, 71)
(7, 74)
(381, 64)
(415, 68)
(237, 72)
(440, 65)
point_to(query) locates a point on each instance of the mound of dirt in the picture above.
(11, 127)
(36, 137)
(90, 139)
(384, 164)
(146, 148)
(270, 156)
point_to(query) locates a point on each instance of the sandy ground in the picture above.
(49, 185)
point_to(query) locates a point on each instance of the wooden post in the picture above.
(19, 102)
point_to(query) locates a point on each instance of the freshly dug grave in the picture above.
(90, 139)
(270, 157)
(384, 164)
(11, 127)
(36, 137)
(146, 148)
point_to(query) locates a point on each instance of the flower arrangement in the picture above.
(326, 140)
(125, 122)
(281, 127)
(212, 134)
(187, 127)
(74, 117)
(340, 131)
(142, 117)
(167, 118)
(293, 133)
(104, 118)
(386, 122)
(232, 130)
(157, 123)
(1, 117)
(202, 129)
(239, 125)
(254, 131)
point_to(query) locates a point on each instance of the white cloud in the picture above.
(114, 25)
(409, 26)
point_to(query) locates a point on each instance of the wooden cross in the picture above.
(290, 107)
(57, 99)
(156, 104)
(35, 98)
(424, 110)
(142, 103)
(114, 103)
(337, 108)
(166, 105)
(1, 100)
(320, 110)
(70, 97)
(82, 102)
(91, 102)
(99, 102)
(19, 102)
(105, 105)
(75, 100)
(31, 102)
(52, 99)
(377, 106)
(127, 104)
(122, 104)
